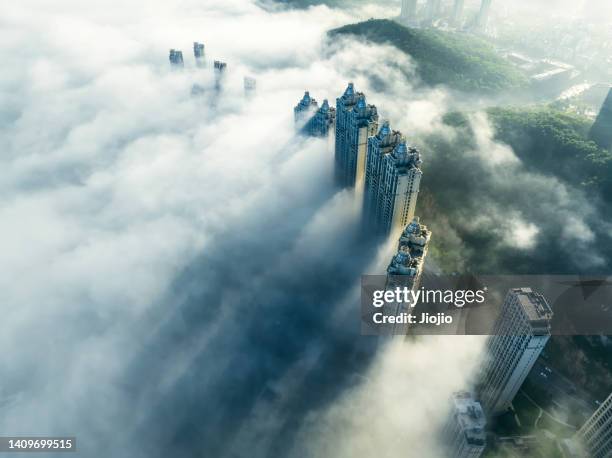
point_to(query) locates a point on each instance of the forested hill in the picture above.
(454, 59)
(553, 142)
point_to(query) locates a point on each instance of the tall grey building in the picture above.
(464, 433)
(379, 145)
(198, 53)
(519, 336)
(400, 180)
(433, 10)
(176, 58)
(250, 86)
(355, 122)
(219, 68)
(596, 433)
(408, 13)
(458, 12)
(483, 14)
(601, 131)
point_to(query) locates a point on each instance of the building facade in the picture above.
(519, 336)
(406, 269)
(464, 433)
(198, 53)
(250, 86)
(379, 145)
(304, 110)
(483, 14)
(596, 433)
(601, 131)
(176, 58)
(409, 9)
(355, 122)
(399, 188)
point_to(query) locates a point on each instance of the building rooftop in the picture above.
(470, 417)
(536, 309)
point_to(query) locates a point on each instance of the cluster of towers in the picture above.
(433, 11)
(368, 157)
(220, 69)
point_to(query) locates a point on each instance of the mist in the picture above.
(180, 274)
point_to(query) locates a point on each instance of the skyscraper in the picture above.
(220, 68)
(322, 121)
(355, 122)
(405, 270)
(198, 53)
(379, 146)
(433, 10)
(311, 120)
(483, 14)
(176, 58)
(601, 132)
(250, 86)
(464, 433)
(596, 433)
(399, 187)
(408, 13)
(519, 336)
(304, 110)
(457, 12)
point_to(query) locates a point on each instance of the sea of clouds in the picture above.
(179, 274)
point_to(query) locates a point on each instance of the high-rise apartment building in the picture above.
(379, 145)
(433, 10)
(464, 433)
(483, 14)
(458, 12)
(408, 13)
(355, 122)
(198, 53)
(304, 110)
(519, 336)
(176, 58)
(405, 270)
(323, 121)
(596, 433)
(400, 180)
(219, 68)
(250, 86)
(601, 131)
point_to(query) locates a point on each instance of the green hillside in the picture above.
(552, 142)
(458, 60)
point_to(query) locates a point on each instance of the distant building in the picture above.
(464, 433)
(458, 12)
(379, 145)
(433, 10)
(355, 122)
(519, 336)
(304, 110)
(220, 68)
(601, 132)
(483, 14)
(400, 180)
(408, 13)
(250, 86)
(198, 53)
(176, 58)
(312, 120)
(596, 433)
